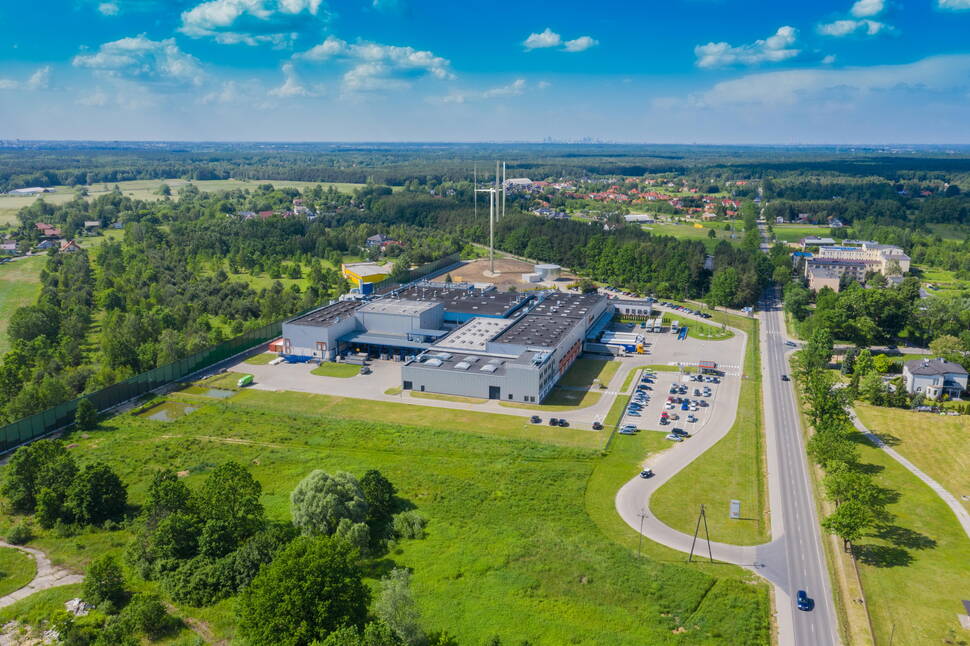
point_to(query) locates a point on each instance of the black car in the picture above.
(597, 426)
(802, 601)
(784, 377)
(535, 419)
(679, 431)
(553, 421)
(563, 423)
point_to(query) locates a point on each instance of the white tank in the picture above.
(548, 272)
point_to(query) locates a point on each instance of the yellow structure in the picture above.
(697, 225)
(363, 275)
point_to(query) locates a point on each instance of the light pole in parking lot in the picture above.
(642, 514)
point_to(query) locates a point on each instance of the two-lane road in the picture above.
(794, 520)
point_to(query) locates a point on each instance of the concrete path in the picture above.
(958, 509)
(48, 576)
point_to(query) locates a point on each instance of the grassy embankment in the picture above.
(733, 469)
(515, 522)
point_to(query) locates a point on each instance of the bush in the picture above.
(104, 582)
(202, 582)
(409, 524)
(147, 614)
(20, 534)
(86, 416)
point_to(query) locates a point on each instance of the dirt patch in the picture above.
(510, 273)
(183, 474)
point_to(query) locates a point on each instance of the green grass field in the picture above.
(915, 570)
(732, 469)
(330, 369)
(522, 540)
(937, 444)
(706, 332)
(19, 286)
(944, 282)
(795, 232)
(17, 569)
(448, 398)
(585, 373)
(687, 231)
(560, 400)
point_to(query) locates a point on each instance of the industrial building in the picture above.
(457, 339)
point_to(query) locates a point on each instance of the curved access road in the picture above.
(793, 559)
(47, 576)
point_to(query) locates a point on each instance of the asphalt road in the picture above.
(795, 524)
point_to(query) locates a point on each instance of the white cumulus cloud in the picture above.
(847, 27)
(868, 8)
(374, 67)
(292, 86)
(140, 59)
(547, 38)
(936, 73)
(954, 5)
(39, 80)
(109, 8)
(515, 88)
(776, 48)
(580, 44)
(249, 21)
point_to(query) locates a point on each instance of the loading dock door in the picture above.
(494, 392)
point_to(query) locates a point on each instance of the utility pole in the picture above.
(642, 514)
(475, 188)
(710, 554)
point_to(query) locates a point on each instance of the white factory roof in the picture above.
(398, 306)
(475, 334)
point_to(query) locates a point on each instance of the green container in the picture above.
(244, 381)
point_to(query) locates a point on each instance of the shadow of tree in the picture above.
(882, 555)
(888, 438)
(378, 568)
(871, 469)
(904, 537)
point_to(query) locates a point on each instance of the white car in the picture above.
(674, 438)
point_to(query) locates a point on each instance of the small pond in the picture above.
(168, 411)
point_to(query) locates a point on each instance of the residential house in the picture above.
(934, 378)
(69, 246)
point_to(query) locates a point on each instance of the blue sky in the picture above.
(676, 71)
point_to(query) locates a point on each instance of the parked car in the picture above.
(626, 431)
(674, 438)
(553, 421)
(691, 419)
(664, 421)
(563, 423)
(365, 370)
(679, 431)
(802, 601)
(535, 419)
(629, 427)
(646, 473)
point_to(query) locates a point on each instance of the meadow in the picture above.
(795, 232)
(937, 444)
(915, 568)
(17, 569)
(19, 286)
(687, 231)
(523, 541)
(148, 190)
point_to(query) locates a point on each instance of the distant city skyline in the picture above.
(686, 71)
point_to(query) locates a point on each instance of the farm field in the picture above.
(937, 444)
(519, 525)
(915, 569)
(19, 286)
(732, 469)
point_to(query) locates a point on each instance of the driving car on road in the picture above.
(802, 601)
(646, 473)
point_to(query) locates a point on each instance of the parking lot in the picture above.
(663, 401)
